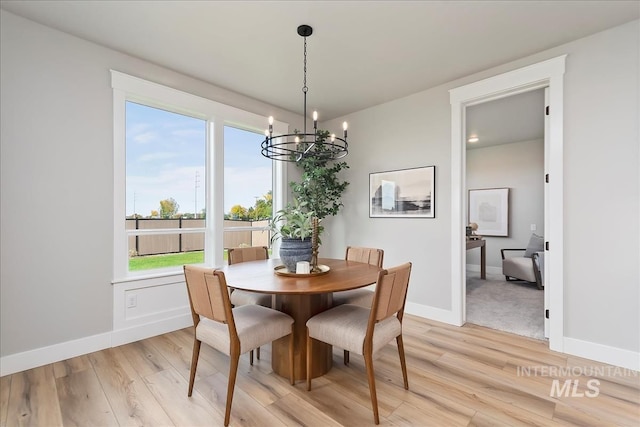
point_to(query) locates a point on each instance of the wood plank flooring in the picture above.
(469, 376)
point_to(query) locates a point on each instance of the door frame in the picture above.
(549, 74)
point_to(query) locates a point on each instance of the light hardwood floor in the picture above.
(469, 376)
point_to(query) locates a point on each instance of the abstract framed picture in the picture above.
(489, 208)
(406, 193)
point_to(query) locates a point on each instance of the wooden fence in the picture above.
(179, 242)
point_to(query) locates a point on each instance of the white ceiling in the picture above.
(362, 53)
(514, 119)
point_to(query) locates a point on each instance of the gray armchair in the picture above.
(527, 266)
(522, 267)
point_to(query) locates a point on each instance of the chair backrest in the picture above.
(208, 294)
(253, 253)
(391, 293)
(371, 256)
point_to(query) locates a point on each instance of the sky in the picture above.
(166, 159)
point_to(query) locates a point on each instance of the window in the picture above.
(170, 150)
(165, 164)
(247, 190)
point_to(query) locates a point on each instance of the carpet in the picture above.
(515, 307)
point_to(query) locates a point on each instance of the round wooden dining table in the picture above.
(301, 297)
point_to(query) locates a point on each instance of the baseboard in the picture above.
(137, 333)
(54, 353)
(431, 313)
(43, 356)
(147, 330)
(602, 353)
(589, 350)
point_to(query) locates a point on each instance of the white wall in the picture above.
(57, 181)
(602, 191)
(406, 133)
(518, 166)
(56, 163)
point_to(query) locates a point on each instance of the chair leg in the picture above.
(194, 364)
(403, 363)
(308, 361)
(251, 357)
(258, 353)
(291, 373)
(368, 361)
(233, 371)
(346, 357)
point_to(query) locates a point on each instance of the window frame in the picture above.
(129, 88)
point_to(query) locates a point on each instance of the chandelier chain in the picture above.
(304, 81)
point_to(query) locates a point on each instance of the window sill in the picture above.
(153, 278)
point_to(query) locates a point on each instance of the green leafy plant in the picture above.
(320, 189)
(292, 222)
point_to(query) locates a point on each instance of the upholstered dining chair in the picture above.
(362, 297)
(240, 297)
(238, 255)
(232, 331)
(366, 330)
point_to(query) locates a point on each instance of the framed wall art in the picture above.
(489, 208)
(406, 193)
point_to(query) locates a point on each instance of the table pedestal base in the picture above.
(301, 308)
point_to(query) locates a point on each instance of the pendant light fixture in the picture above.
(294, 147)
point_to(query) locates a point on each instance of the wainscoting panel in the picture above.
(149, 307)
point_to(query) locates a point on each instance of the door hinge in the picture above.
(546, 246)
(546, 313)
(546, 110)
(546, 178)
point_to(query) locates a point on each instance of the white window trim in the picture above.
(217, 115)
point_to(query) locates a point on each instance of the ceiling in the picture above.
(514, 119)
(361, 53)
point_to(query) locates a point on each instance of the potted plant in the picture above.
(320, 189)
(317, 195)
(294, 226)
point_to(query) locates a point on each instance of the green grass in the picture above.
(149, 262)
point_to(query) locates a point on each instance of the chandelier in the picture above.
(294, 147)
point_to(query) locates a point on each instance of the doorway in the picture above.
(544, 74)
(505, 157)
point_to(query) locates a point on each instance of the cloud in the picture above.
(141, 132)
(145, 138)
(188, 133)
(152, 157)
